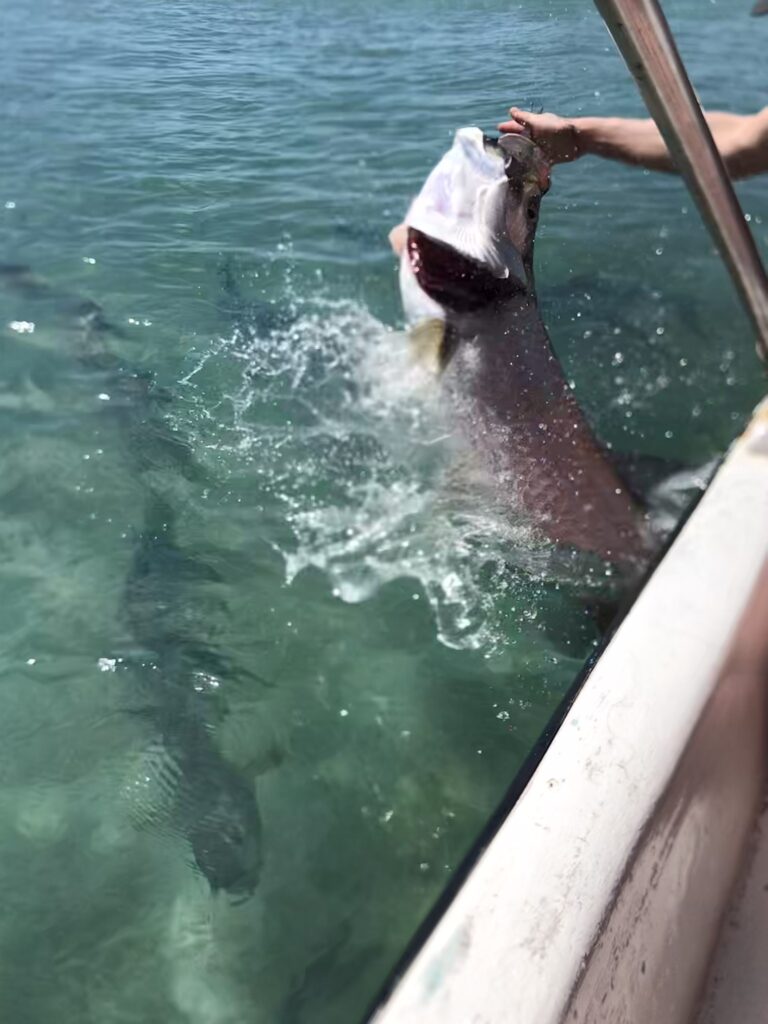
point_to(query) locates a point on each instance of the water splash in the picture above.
(347, 441)
(351, 449)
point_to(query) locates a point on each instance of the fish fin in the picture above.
(641, 472)
(426, 340)
(20, 277)
(148, 712)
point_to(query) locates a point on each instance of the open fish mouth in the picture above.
(462, 198)
(457, 282)
(471, 227)
(463, 201)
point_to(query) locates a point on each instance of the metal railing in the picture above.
(642, 35)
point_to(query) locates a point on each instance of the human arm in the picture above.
(742, 139)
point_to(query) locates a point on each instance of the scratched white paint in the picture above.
(582, 872)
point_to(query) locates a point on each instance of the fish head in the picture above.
(527, 176)
(471, 228)
(226, 842)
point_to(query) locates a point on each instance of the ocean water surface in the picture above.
(240, 592)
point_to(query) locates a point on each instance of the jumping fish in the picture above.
(467, 283)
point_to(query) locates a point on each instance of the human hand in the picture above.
(556, 136)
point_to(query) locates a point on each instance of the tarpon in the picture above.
(467, 283)
(178, 677)
(185, 783)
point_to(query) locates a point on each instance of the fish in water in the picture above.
(191, 788)
(467, 282)
(207, 799)
(185, 785)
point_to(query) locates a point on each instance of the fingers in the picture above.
(524, 117)
(512, 128)
(521, 123)
(556, 136)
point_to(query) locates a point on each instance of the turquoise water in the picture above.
(370, 654)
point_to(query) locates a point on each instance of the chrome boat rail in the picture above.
(642, 34)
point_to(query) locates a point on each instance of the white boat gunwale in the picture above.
(561, 912)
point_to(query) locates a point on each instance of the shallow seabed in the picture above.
(365, 643)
